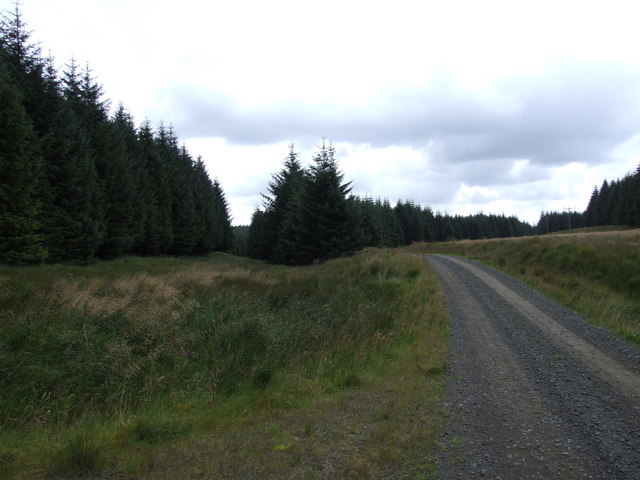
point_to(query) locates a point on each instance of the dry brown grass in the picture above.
(604, 238)
(146, 296)
(138, 296)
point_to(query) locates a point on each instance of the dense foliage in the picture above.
(617, 202)
(309, 216)
(78, 183)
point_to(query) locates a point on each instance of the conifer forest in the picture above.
(78, 183)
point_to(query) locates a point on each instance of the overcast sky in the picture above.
(498, 106)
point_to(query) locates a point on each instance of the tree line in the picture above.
(78, 183)
(309, 215)
(616, 202)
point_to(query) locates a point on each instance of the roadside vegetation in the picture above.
(595, 272)
(221, 366)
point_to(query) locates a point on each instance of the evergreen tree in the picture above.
(204, 204)
(634, 216)
(591, 211)
(121, 199)
(83, 184)
(393, 234)
(603, 211)
(281, 209)
(411, 219)
(158, 228)
(21, 56)
(256, 244)
(20, 172)
(240, 240)
(179, 165)
(222, 234)
(156, 195)
(325, 225)
(370, 219)
(72, 233)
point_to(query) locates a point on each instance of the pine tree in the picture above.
(369, 216)
(592, 207)
(256, 244)
(325, 225)
(240, 240)
(412, 221)
(635, 203)
(118, 177)
(105, 188)
(603, 213)
(156, 194)
(222, 235)
(281, 208)
(22, 56)
(72, 233)
(183, 211)
(20, 173)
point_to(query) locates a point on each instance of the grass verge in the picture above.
(151, 368)
(595, 273)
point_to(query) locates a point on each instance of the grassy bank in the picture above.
(596, 273)
(220, 366)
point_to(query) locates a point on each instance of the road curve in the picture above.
(534, 391)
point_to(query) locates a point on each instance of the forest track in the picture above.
(533, 390)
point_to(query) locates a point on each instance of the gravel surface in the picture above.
(534, 391)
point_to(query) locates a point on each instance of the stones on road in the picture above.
(533, 391)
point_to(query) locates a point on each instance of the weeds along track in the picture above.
(594, 273)
(534, 391)
(221, 367)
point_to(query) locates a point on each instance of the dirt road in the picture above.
(534, 391)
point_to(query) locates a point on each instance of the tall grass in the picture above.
(595, 273)
(95, 361)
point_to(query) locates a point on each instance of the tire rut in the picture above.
(533, 390)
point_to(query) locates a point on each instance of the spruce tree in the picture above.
(282, 204)
(118, 177)
(156, 195)
(72, 233)
(256, 244)
(22, 56)
(222, 235)
(325, 227)
(635, 203)
(214, 228)
(204, 206)
(592, 208)
(370, 219)
(183, 211)
(82, 184)
(20, 174)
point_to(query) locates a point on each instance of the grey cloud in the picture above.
(427, 188)
(572, 112)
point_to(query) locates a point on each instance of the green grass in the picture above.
(124, 366)
(596, 273)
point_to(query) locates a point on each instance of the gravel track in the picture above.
(534, 391)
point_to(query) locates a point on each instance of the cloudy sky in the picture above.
(498, 106)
